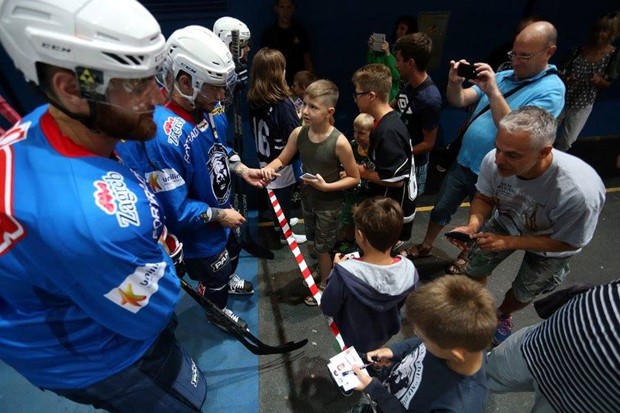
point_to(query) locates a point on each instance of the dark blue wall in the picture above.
(339, 31)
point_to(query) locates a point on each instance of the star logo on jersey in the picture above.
(129, 297)
(164, 180)
(136, 290)
(153, 182)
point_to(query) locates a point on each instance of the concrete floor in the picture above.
(300, 382)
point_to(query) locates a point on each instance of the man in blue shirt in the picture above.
(533, 81)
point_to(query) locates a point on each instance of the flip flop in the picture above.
(418, 251)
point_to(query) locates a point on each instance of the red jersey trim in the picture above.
(60, 142)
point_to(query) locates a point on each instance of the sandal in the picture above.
(418, 251)
(310, 301)
(459, 264)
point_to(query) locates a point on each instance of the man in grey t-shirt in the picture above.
(530, 197)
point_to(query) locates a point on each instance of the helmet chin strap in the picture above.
(189, 98)
(88, 121)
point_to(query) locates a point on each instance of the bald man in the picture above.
(532, 81)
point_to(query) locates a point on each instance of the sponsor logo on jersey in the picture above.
(114, 198)
(164, 180)
(218, 110)
(187, 146)
(134, 292)
(173, 127)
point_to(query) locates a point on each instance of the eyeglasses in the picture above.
(357, 94)
(512, 55)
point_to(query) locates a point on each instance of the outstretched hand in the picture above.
(255, 178)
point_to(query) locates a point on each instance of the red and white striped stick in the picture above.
(305, 271)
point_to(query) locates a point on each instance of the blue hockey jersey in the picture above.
(85, 288)
(187, 167)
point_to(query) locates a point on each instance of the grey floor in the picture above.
(300, 382)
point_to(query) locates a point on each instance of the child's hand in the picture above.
(269, 174)
(364, 378)
(342, 174)
(382, 357)
(318, 182)
(338, 257)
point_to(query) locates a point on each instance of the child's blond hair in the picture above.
(364, 121)
(324, 89)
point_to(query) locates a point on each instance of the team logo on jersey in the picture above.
(114, 198)
(219, 172)
(134, 292)
(173, 127)
(406, 376)
(164, 180)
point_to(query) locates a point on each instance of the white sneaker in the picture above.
(237, 285)
(291, 223)
(299, 238)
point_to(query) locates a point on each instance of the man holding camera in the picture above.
(533, 81)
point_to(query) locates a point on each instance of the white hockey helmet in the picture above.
(97, 39)
(224, 26)
(198, 52)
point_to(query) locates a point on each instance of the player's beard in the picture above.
(124, 124)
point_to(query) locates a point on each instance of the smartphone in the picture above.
(377, 41)
(459, 236)
(308, 176)
(467, 71)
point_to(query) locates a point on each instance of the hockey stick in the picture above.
(8, 113)
(245, 239)
(250, 341)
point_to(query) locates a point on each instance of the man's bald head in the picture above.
(533, 48)
(542, 31)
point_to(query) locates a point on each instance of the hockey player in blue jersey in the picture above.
(87, 292)
(189, 166)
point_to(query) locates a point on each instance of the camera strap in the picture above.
(506, 95)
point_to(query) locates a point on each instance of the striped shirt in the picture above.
(575, 354)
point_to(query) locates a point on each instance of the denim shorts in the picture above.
(458, 184)
(322, 227)
(537, 274)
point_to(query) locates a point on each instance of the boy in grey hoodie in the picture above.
(364, 295)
